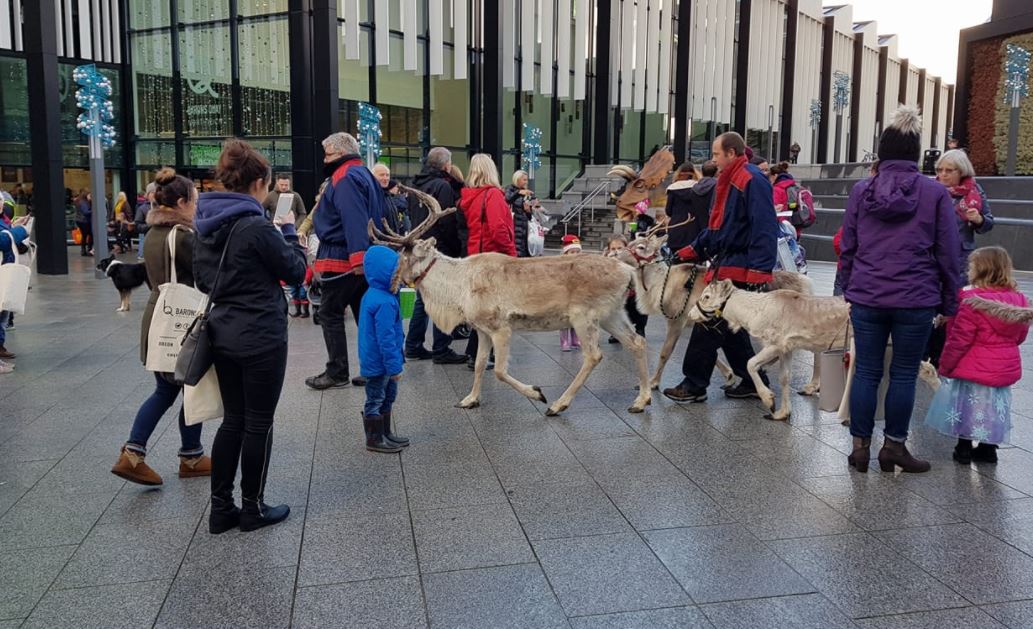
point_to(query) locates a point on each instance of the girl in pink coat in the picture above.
(981, 359)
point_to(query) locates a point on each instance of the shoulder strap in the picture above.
(170, 244)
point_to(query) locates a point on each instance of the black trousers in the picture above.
(250, 389)
(338, 293)
(701, 354)
(638, 319)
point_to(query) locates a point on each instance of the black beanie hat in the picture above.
(902, 137)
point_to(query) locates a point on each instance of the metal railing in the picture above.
(578, 209)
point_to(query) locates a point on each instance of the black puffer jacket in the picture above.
(450, 231)
(689, 198)
(250, 313)
(520, 219)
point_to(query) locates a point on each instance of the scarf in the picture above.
(724, 185)
(966, 196)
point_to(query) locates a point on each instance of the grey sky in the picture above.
(928, 29)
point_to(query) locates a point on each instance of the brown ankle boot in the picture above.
(894, 453)
(190, 467)
(131, 467)
(861, 455)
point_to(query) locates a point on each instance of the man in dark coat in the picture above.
(450, 234)
(688, 197)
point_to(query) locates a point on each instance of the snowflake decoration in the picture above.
(973, 398)
(1001, 405)
(980, 434)
(953, 417)
(980, 416)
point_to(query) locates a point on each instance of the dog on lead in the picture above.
(125, 276)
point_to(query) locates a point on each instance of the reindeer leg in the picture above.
(784, 371)
(501, 341)
(726, 373)
(814, 386)
(591, 356)
(473, 400)
(767, 355)
(674, 330)
(635, 344)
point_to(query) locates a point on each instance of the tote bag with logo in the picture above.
(14, 281)
(177, 307)
(204, 401)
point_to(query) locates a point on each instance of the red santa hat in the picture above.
(571, 243)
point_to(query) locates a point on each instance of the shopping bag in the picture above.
(77, 235)
(203, 401)
(535, 236)
(176, 308)
(844, 406)
(14, 281)
(833, 378)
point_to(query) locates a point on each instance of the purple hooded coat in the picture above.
(900, 242)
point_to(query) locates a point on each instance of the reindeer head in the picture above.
(645, 249)
(712, 301)
(416, 255)
(644, 185)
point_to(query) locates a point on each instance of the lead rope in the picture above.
(688, 293)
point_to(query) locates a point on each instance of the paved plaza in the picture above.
(699, 515)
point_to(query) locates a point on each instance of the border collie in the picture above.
(125, 276)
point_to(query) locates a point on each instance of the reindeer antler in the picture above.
(390, 238)
(656, 229)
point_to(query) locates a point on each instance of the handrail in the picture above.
(580, 205)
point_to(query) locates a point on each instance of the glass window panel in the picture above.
(260, 7)
(570, 127)
(278, 152)
(265, 76)
(353, 76)
(152, 84)
(631, 132)
(14, 112)
(202, 153)
(204, 60)
(395, 7)
(449, 107)
(191, 11)
(155, 154)
(149, 14)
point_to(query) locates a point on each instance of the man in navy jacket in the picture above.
(350, 200)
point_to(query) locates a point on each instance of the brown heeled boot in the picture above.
(861, 455)
(895, 453)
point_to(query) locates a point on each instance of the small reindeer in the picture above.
(497, 295)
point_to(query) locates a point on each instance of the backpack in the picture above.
(801, 203)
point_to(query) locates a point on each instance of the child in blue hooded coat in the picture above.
(380, 349)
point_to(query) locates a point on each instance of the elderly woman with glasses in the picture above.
(955, 171)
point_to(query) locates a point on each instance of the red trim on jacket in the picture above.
(342, 170)
(735, 175)
(329, 265)
(739, 274)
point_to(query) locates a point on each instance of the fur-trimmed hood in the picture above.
(169, 217)
(999, 310)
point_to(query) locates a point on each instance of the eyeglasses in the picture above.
(943, 170)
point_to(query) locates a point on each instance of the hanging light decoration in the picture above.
(841, 90)
(1016, 73)
(369, 132)
(531, 149)
(92, 97)
(815, 112)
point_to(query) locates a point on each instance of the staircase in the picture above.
(596, 220)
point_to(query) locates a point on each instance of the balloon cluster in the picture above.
(92, 96)
(369, 131)
(815, 112)
(532, 147)
(1016, 71)
(840, 90)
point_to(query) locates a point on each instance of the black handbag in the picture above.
(195, 353)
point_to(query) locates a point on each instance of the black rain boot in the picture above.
(390, 436)
(963, 451)
(985, 453)
(375, 441)
(255, 514)
(297, 310)
(304, 310)
(224, 515)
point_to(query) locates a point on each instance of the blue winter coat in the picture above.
(380, 317)
(6, 246)
(341, 220)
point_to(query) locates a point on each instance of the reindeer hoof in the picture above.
(772, 417)
(541, 396)
(636, 409)
(470, 404)
(553, 411)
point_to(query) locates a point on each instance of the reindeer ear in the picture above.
(431, 242)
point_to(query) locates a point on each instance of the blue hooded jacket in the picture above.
(380, 317)
(9, 243)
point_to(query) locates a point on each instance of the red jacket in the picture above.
(983, 339)
(489, 221)
(781, 196)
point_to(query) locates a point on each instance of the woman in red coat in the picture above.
(489, 221)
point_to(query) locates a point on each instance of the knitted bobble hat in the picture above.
(902, 137)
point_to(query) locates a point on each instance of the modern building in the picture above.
(604, 80)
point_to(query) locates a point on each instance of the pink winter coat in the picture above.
(983, 339)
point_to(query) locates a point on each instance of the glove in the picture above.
(687, 254)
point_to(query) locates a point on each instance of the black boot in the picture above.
(895, 453)
(255, 514)
(984, 453)
(390, 436)
(861, 456)
(375, 441)
(304, 310)
(963, 451)
(224, 515)
(297, 310)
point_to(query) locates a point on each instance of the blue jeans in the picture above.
(873, 327)
(418, 332)
(298, 294)
(3, 327)
(139, 248)
(381, 392)
(150, 413)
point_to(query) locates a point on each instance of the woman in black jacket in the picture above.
(520, 198)
(247, 328)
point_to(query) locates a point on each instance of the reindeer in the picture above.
(498, 295)
(784, 321)
(661, 288)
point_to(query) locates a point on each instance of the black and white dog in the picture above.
(125, 277)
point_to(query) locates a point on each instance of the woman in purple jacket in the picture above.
(899, 269)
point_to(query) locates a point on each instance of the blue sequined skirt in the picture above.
(968, 410)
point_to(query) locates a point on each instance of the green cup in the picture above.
(632, 226)
(407, 299)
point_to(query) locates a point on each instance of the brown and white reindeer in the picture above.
(661, 289)
(498, 295)
(784, 321)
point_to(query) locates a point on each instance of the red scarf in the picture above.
(728, 177)
(966, 197)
